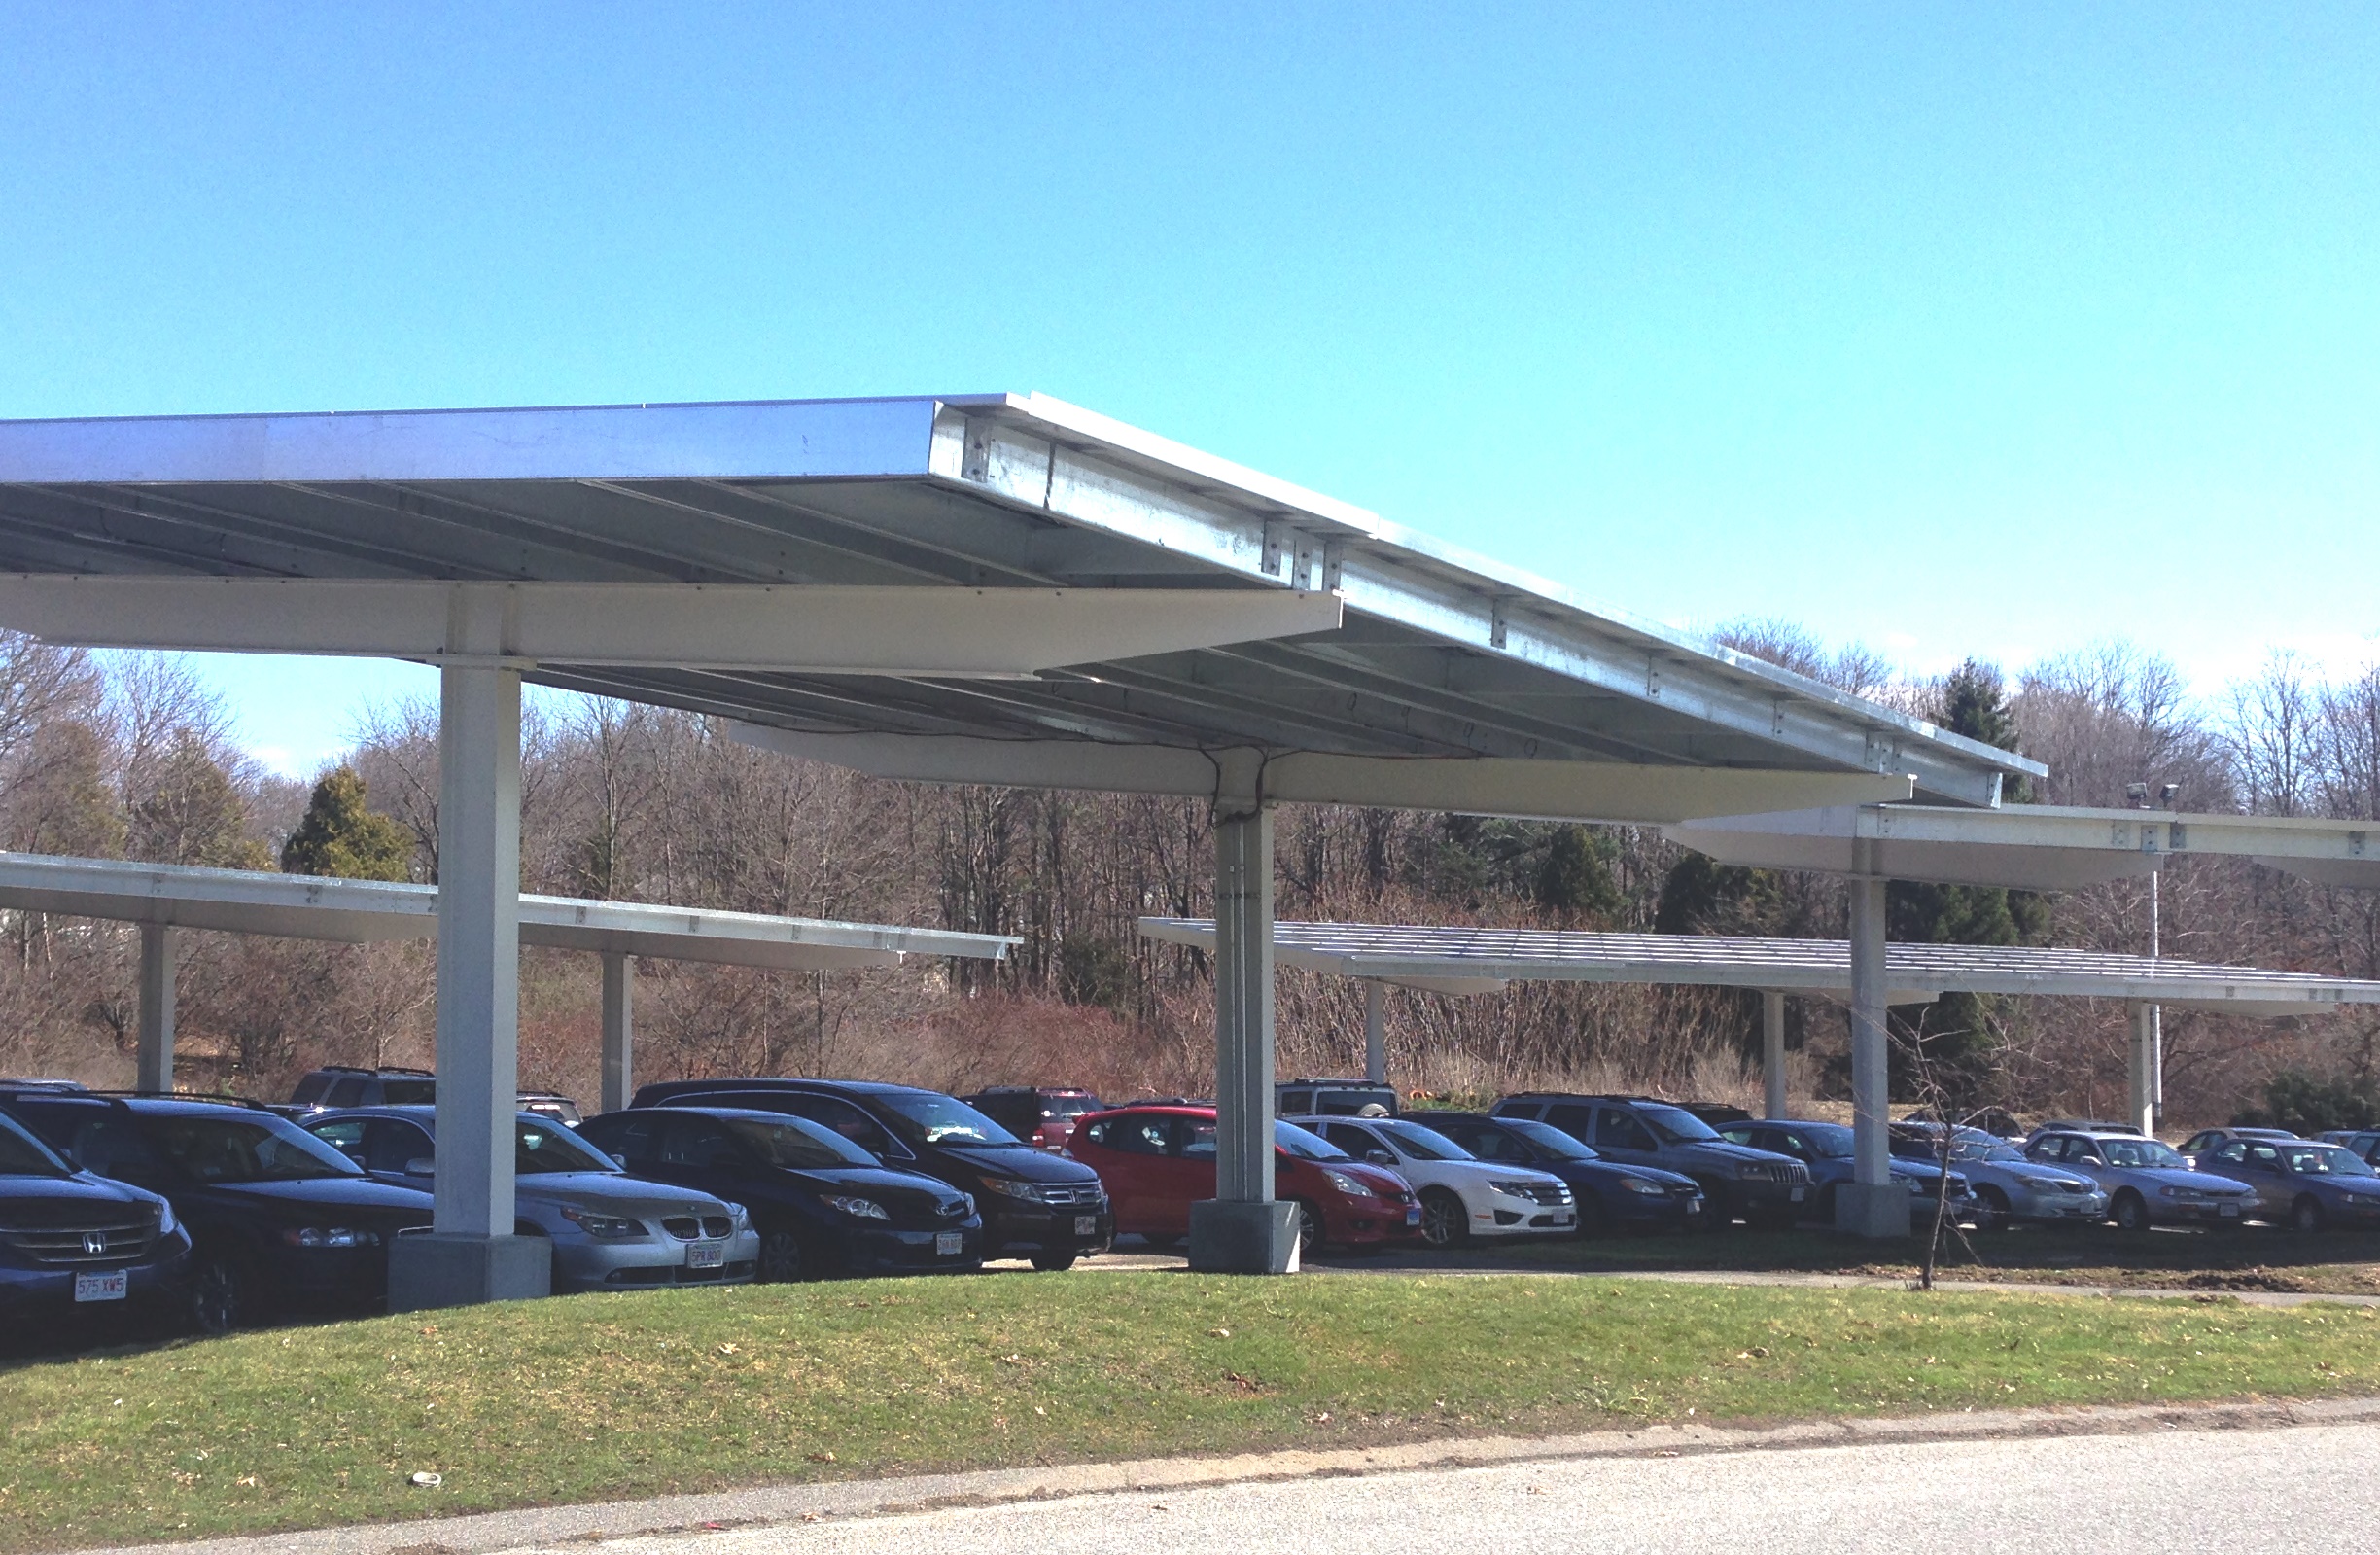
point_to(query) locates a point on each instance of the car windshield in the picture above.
(259, 1149)
(1307, 1146)
(2325, 1161)
(23, 1155)
(1831, 1141)
(1070, 1106)
(1549, 1139)
(1999, 1152)
(923, 1118)
(2142, 1153)
(408, 1093)
(796, 1143)
(1422, 1143)
(1675, 1125)
(542, 1146)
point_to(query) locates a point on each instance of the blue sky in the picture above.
(1957, 330)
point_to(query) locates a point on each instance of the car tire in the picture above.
(2129, 1212)
(2307, 1214)
(1991, 1210)
(222, 1294)
(1309, 1230)
(784, 1261)
(1446, 1220)
(1054, 1262)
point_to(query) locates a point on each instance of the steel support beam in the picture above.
(618, 1028)
(155, 1065)
(2141, 1072)
(1773, 1054)
(1376, 1031)
(1871, 1204)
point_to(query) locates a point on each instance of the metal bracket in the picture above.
(1496, 622)
(1272, 548)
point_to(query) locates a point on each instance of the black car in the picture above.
(72, 1244)
(1034, 1205)
(1759, 1186)
(276, 1218)
(1611, 1195)
(823, 1205)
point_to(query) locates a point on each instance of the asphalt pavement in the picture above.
(2271, 1490)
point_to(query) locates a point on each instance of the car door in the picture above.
(1361, 1143)
(2264, 1174)
(1621, 1133)
(697, 1152)
(1131, 1148)
(345, 1135)
(1187, 1170)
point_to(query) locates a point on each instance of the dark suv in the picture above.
(276, 1218)
(74, 1244)
(336, 1086)
(1034, 1205)
(1039, 1115)
(1758, 1186)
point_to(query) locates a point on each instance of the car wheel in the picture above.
(1054, 1262)
(782, 1259)
(2130, 1210)
(1445, 1222)
(1991, 1210)
(1309, 1230)
(221, 1293)
(2306, 1214)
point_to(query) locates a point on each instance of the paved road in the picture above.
(2306, 1488)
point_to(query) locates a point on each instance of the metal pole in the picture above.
(618, 1028)
(1242, 1229)
(1871, 1204)
(155, 1064)
(1773, 1053)
(2141, 1092)
(1376, 1031)
(2155, 1113)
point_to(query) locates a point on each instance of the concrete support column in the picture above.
(1376, 1031)
(2141, 1093)
(155, 1065)
(1773, 1054)
(1242, 1230)
(1871, 1204)
(618, 1028)
(471, 1255)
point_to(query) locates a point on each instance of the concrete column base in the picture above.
(450, 1269)
(1231, 1237)
(1865, 1209)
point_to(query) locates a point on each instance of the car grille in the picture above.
(951, 1209)
(1549, 1193)
(1085, 1193)
(109, 1239)
(686, 1227)
(1779, 1171)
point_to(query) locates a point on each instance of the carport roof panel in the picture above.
(1442, 652)
(1410, 954)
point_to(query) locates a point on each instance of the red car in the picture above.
(1157, 1160)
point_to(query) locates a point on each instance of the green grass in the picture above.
(594, 1396)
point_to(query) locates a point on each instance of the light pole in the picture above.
(2152, 1016)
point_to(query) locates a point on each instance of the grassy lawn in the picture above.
(593, 1397)
(2256, 1259)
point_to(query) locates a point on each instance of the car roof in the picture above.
(753, 1113)
(788, 1083)
(164, 1106)
(411, 1113)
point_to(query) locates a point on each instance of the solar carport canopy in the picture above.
(1274, 639)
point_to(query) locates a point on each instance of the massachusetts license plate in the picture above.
(1412, 1215)
(1086, 1225)
(1797, 1193)
(103, 1287)
(947, 1243)
(705, 1254)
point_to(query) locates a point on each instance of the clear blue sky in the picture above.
(1954, 329)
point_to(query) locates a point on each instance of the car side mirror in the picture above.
(422, 1166)
(619, 1160)
(1380, 1157)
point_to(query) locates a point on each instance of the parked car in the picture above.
(1992, 1120)
(2364, 1142)
(1759, 1186)
(563, 1109)
(339, 1085)
(822, 1205)
(1462, 1196)
(2207, 1141)
(1158, 1160)
(1335, 1098)
(1825, 1149)
(1718, 1114)
(277, 1220)
(2310, 1186)
(608, 1231)
(1034, 1205)
(2148, 1182)
(74, 1244)
(1611, 1195)
(2008, 1186)
(2077, 1125)
(1041, 1115)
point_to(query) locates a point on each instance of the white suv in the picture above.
(1461, 1195)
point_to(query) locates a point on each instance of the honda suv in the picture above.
(1034, 1205)
(1758, 1186)
(71, 1243)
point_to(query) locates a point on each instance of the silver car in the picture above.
(609, 1231)
(2146, 1180)
(2008, 1185)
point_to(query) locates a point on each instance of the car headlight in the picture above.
(1638, 1184)
(1014, 1188)
(165, 1219)
(329, 1236)
(741, 1215)
(611, 1227)
(858, 1208)
(1518, 1191)
(1752, 1169)
(1348, 1185)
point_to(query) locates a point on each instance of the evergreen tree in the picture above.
(191, 813)
(1576, 877)
(344, 837)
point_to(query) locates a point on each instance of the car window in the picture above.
(1487, 1143)
(1305, 1143)
(2206, 1140)
(636, 1136)
(344, 1135)
(23, 1155)
(2233, 1153)
(544, 1147)
(1550, 1142)
(695, 1141)
(1194, 1139)
(1675, 1125)
(247, 1149)
(2323, 1161)
(111, 1144)
(1353, 1137)
(1298, 1101)
(310, 1089)
(1742, 1134)
(1619, 1129)
(393, 1144)
(345, 1091)
(922, 1118)
(796, 1144)
(2261, 1155)
(1419, 1143)
(1137, 1134)
(843, 1118)
(408, 1093)
(2136, 1153)
(1576, 1121)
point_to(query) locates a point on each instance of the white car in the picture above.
(1461, 1195)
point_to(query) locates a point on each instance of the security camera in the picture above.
(2166, 793)
(2138, 794)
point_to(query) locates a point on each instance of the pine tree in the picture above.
(1576, 876)
(342, 835)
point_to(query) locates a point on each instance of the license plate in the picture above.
(2230, 1209)
(1412, 1215)
(1797, 1193)
(103, 1287)
(946, 1244)
(1086, 1225)
(705, 1254)
(1563, 1219)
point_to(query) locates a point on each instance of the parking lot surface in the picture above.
(2270, 1490)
